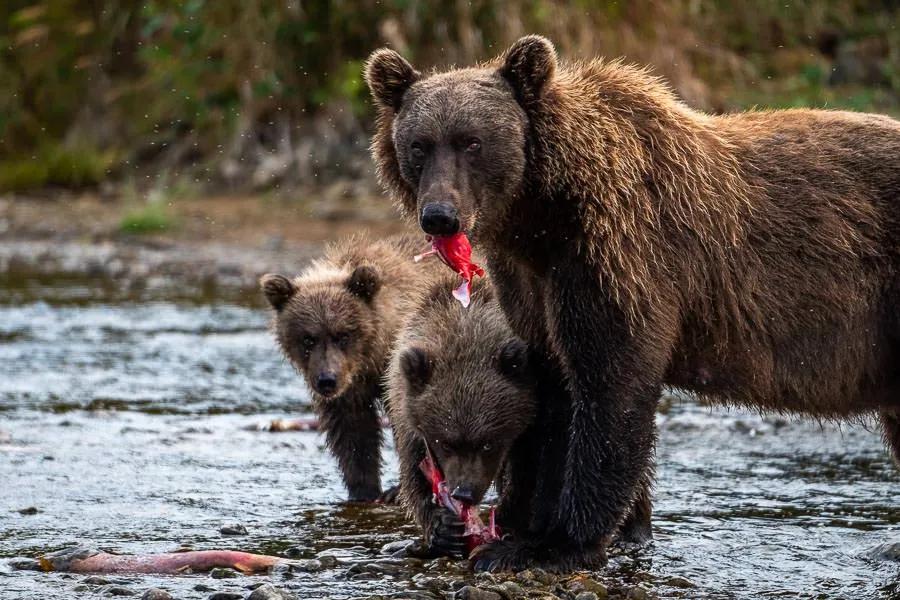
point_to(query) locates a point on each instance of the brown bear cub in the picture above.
(633, 242)
(459, 385)
(337, 323)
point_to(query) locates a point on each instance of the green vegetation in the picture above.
(153, 217)
(207, 87)
(55, 166)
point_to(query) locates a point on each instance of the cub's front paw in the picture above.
(446, 534)
(510, 554)
(390, 495)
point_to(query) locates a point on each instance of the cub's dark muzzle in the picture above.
(326, 383)
(440, 218)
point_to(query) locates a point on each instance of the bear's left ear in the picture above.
(364, 282)
(528, 65)
(388, 76)
(512, 360)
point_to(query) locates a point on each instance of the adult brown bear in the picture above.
(751, 258)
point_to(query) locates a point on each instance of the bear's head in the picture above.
(452, 147)
(326, 324)
(468, 394)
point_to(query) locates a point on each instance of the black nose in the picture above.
(464, 494)
(326, 383)
(440, 218)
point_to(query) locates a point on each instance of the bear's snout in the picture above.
(440, 218)
(326, 383)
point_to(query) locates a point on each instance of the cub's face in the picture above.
(325, 328)
(469, 407)
(460, 137)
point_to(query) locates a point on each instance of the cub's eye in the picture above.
(445, 446)
(473, 145)
(487, 448)
(342, 340)
(309, 342)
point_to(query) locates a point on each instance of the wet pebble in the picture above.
(202, 587)
(399, 548)
(115, 590)
(233, 529)
(225, 596)
(268, 591)
(470, 592)
(31, 510)
(223, 573)
(95, 580)
(156, 594)
(678, 582)
(586, 584)
(509, 590)
(328, 561)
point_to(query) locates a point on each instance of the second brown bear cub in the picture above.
(458, 385)
(337, 323)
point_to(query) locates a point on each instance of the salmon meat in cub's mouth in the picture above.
(476, 532)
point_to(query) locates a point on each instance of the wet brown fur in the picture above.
(750, 258)
(323, 302)
(469, 398)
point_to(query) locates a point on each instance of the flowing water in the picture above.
(126, 422)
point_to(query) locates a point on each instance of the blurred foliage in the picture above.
(171, 83)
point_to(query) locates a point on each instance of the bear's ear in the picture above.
(528, 65)
(512, 360)
(416, 366)
(278, 289)
(388, 76)
(364, 282)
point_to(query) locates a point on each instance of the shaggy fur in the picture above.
(341, 317)
(750, 258)
(459, 383)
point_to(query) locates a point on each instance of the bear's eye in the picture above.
(473, 145)
(342, 340)
(309, 342)
(417, 151)
(487, 448)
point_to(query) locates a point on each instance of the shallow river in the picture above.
(127, 424)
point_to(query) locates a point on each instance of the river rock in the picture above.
(225, 596)
(509, 590)
(470, 592)
(156, 594)
(115, 590)
(586, 596)
(328, 561)
(233, 529)
(678, 582)
(267, 591)
(586, 584)
(223, 573)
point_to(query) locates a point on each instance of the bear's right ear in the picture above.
(528, 65)
(512, 360)
(388, 76)
(278, 289)
(416, 366)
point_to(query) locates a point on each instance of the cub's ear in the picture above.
(417, 367)
(512, 360)
(388, 76)
(528, 65)
(364, 282)
(278, 289)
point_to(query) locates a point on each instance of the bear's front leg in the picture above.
(352, 428)
(614, 368)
